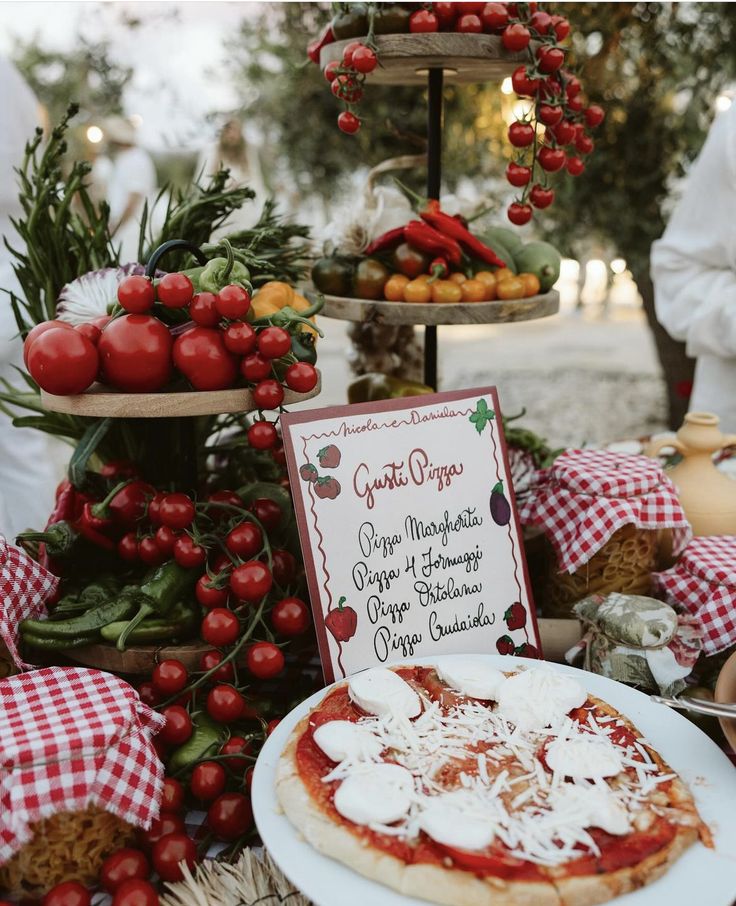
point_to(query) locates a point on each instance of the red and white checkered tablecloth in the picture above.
(25, 586)
(70, 738)
(587, 495)
(703, 582)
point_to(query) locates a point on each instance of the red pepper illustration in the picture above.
(309, 472)
(327, 488)
(505, 645)
(527, 650)
(329, 457)
(515, 616)
(342, 622)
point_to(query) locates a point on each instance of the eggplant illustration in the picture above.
(500, 507)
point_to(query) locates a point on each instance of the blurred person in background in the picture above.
(28, 474)
(694, 272)
(131, 182)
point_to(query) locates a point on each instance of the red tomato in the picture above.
(594, 115)
(331, 70)
(564, 132)
(90, 332)
(135, 892)
(188, 553)
(68, 893)
(174, 290)
(135, 353)
(283, 567)
(173, 795)
(178, 726)
(540, 22)
(279, 455)
(119, 468)
(470, 23)
(202, 357)
(236, 746)
(267, 512)
(265, 660)
(550, 58)
(136, 294)
(584, 144)
(154, 508)
(230, 816)
(551, 159)
(169, 851)
(346, 88)
(495, 16)
(521, 82)
(225, 704)
(148, 694)
(445, 13)
(347, 122)
(541, 196)
(177, 511)
(220, 627)
(423, 21)
(229, 499)
(271, 725)
(239, 338)
(515, 37)
(301, 377)
(165, 824)
(268, 394)
(561, 27)
(128, 547)
(233, 302)
(255, 368)
(576, 104)
(262, 435)
(149, 552)
(203, 311)
(63, 362)
(290, 617)
(208, 780)
(130, 504)
(35, 332)
(364, 59)
(169, 677)
(210, 660)
(519, 214)
(165, 539)
(274, 342)
(349, 50)
(521, 134)
(121, 866)
(249, 778)
(250, 582)
(209, 596)
(549, 114)
(518, 175)
(575, 166)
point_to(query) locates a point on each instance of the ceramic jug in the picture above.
(707, 495)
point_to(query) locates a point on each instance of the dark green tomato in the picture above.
(333, 276)
(409, 261)
(351, 24)
(370, 278)
(391, 20)
(302, 346)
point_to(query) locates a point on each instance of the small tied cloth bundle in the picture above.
(72, 738)
(637, 640)
(703, 582)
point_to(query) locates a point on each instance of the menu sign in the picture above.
(410, 537)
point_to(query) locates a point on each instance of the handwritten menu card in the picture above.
(410, 537)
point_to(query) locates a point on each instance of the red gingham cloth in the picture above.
(25, 586)
(703, 582)
(70, 738)
(587, 495)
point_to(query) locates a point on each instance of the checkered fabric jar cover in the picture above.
(587, 495)
(70, 738)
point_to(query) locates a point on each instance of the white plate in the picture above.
(702, 876)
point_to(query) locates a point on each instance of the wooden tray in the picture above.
(497, 312)
(100, 401)
(138, 660)
(405, 59)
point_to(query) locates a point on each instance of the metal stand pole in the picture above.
(434, 178)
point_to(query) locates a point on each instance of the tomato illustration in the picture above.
(329, 457)
(515, 616)
(328, 488)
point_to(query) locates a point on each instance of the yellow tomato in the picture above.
(417, 291)
(531, 284)
(457, 277)
(394, 288)
(423, 278)
(503, 273)
(511, 288)
(446, 291)
(488, 279)
(473, 291)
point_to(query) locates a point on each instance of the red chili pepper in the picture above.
(385, 241)
(130, 503)
(325, 38)
(342, 622)
(87, 530)
(450, 226)
(427, 239)
(438, 269)
(93, 521)
(63, 511)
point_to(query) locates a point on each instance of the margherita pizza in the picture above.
(471, 787)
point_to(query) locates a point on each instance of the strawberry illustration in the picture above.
(500, 507)
(342, 622)
(329, 457)
(515, 616)
(309, 472)
(328, 488)
(505, 645)
(527, 650)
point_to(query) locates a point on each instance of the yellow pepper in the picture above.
(274, 296)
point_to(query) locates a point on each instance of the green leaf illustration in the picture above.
(482, 415)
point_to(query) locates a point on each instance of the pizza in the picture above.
(467, 786)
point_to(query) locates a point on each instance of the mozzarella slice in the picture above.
(539, 698)
(583, 756)
(450, 819)
(343, 739)
(384, 693)
(588, 806)
(376, 794)
(471, 677)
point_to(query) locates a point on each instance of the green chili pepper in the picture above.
(59, 538)
(90, 622)
(206, 738)
(46, 643)
(182, 622)
(165, 586)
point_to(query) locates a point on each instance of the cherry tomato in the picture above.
(495, 16)
(265, 660)
(220, 627)
(149, 552)
(551, 159)
(445, 13)
(541, 196)
(135, 353)
(68, 893)
(364, 59)
(518, 175)
(166, 823)
(174, 290)
(301, 377)
(584, 144)
(511, 288)
(90, 332)
(519, 214)
(550, 58)
(561, 27)
(572, 86)
(423, 21)
(130, 504)
(549, 114)
(154, 507)
(515, 37)
(331, 70)
(249, 778)
(271, 725)
(267, 512)
(234, 746)
(283, 567)
(346, 88)
(169, 677)
(230, 498)
(208, 780)
(224, 703)
(177, 511)
(128, 547)
(136, 294)
(418, 291)
(470, 23)
(473, 291)
(255, 368)
(521, 134)
(203, 311)
(348, 122)
(230, 816)
(245, 540)
(268, 394)
(63, 362)
(348, 50)
(446, 291)
(262, 435)
(119, 468)
(250, 582)
(279, 455)
(290, 616)
(233, 302)
(576, 104)
(169, 851)
(136, 892)
(208, 595)
(148, 694)
(239, 338)
(188, 553)
(575, 166)
(165, 539)
(222, 564)
(564, 132)
(594, 115)
(123, 865)
(393, 291)
(540, 22)
(211, 659)
(204, 360)
(35, 332)
(274, 342)
(522, 84)
(178, 726)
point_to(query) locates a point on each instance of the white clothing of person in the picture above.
(244, 172)
(132, 173)
(28, 474)
(694, 272)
